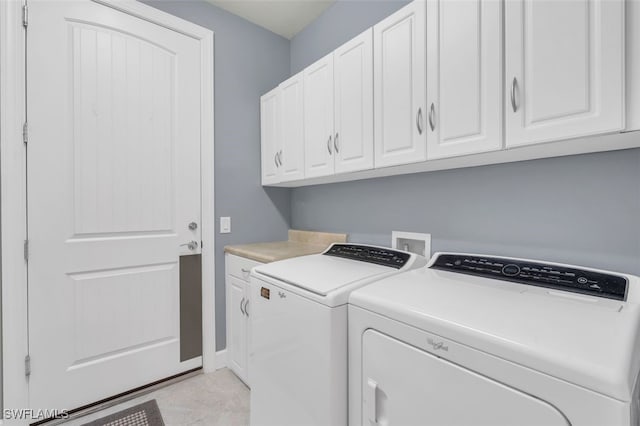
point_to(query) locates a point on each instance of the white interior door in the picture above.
(292, 125)
(353, 84)
(113, 182)
(464, 77)
(318, 118)
(402, 385)
(270, 121)
(564, 69)
(399, 76)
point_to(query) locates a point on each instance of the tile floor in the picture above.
(218, 398)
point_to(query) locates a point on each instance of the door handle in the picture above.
(335, 143)
(246, 308)
(514, 86)
(280, 157)
(191, 245)
(371, 401)
(241, 309)
(432, 113)
(275, 159)
(329, 145)
(419, 120)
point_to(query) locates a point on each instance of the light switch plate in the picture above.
(225, 225)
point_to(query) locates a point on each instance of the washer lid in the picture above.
(321, 274)
(584, 340)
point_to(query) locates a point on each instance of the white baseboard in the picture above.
(221, 359)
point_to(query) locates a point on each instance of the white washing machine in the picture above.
(298, 353)
(480, 340)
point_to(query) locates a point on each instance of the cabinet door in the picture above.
(318, 118)
(353, 84)
(564, 69)
(464, 77)
(399, 86)
(291, 154)
(248, 308)
(269, 136)
(236, 327)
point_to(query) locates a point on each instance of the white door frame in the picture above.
(13, 195)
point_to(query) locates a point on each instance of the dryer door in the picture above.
(403, 385)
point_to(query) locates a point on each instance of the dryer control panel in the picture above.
(537, 274)
(378, 255)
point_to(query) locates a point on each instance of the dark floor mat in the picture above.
(145, 414)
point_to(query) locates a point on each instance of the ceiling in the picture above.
(283, 17)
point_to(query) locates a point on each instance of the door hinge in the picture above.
(27, 366)
(26, 250)
(25, 15)
(25, 132)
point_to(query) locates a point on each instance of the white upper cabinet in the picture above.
(318, 118)
(291, 154)
(270, 136)
(399, 43)
(353, 84)
(564, 69)
(464, 77)
(447, 79)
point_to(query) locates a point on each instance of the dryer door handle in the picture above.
(371, 401)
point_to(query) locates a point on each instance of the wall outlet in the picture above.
(413, 242)
(225, 225)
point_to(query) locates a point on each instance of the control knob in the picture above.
(511, 270)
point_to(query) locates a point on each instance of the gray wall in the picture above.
(582, 209)
(249, 61)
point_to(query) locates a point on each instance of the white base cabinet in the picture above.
(238, 304)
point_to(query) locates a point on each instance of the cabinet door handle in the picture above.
(335, 143)
(241, 308)
(329, 145)
(280, 157)
(246, 307)
(275, 159)
(432, 120)
(514, 86)
(245, 270)
(419, 120)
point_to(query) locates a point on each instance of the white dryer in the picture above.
(298, 353)
(479, 340)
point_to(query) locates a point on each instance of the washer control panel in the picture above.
(537, 274)
(378, 255)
